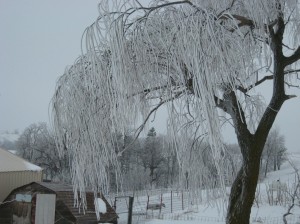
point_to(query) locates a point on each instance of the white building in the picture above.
(16, 172)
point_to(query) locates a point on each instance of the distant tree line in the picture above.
(152, 162)
(37, 145)
(147, 162)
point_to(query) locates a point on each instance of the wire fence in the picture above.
(178, 205)
(207, 220)
(293, 219)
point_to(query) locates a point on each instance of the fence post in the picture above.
(182, 200)
(171, 203)
(147, 202)
(161, 196)
(115, 204)
(130, 210)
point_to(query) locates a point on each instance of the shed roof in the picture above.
(65, 194)
(65, 210)
(57, 187)
(10, 162)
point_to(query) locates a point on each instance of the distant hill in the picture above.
(287, 171)
(9, 136)
(8, 139)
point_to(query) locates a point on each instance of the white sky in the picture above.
(38, 39)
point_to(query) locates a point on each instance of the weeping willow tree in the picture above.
(202, 59)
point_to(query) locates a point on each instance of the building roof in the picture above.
(65, 210)
(65, 194)
(57, 187)
(10, 162)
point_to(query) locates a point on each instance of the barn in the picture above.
(45, 203)
(16, 172)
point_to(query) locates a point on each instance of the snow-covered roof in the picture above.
(10, 162)
(100, 205)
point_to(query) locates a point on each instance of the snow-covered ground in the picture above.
(214, 212)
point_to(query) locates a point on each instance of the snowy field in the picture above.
(268, 209)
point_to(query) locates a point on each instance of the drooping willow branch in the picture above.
(192, 55)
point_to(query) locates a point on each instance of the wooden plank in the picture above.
(45, 208)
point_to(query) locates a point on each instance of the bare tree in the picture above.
(294, 195)
(37, 145)
(274, 152)
(171, 166)
(152, 156)
(201, 59)
(133, 175)
(8, 145)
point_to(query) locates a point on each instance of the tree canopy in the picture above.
(193, 56)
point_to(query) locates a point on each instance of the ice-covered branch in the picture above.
(293, 58)
(290, 71)
(135, 54)
(245, 90)
(142, 126)
(294, 195)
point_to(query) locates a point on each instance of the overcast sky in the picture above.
(40, 38)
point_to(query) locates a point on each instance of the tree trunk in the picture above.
(243, 189)
(251, 145)
(243, 194)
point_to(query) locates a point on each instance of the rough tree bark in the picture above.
(243, 189)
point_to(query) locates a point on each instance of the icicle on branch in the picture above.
(137, 57)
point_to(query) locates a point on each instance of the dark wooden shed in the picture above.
(14, 210)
